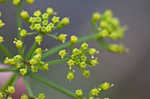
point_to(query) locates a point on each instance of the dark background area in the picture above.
(129, 72)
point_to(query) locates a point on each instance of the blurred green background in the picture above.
(129, 72)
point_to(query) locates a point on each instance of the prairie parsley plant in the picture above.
(105, 26)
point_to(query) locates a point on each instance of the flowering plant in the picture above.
(105, 26)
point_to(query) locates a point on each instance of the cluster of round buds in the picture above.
(80, 57)
(109, 26)
(1, 22)
(40, 96)
(6, 94)
(41, 22)
(24, 67)
(95, 92)
(16, 2)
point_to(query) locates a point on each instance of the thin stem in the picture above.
(28, 87)
(55, 86)
(11, 82)
(56, 49)
(57, 61)
(52, 36)
(30, 52)
(7, 69)
(5, 51)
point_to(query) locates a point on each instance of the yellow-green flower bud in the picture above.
(16, 2)
(37, 13)
(65, 21)
(116, 48)
(38, 39)
(30, 1)
(24, 14)
(94, 92)
(1, 39)
(11, 89)
(49, 11)
(84, 46)
(96, 17)
(104, 33)
(18, 58)
(76, 51)
(71, 63)
(108, 13)
(1, 95)
(62, 37)
(86, 73)
(45, 67)
(105, 86)
(62, 53)
(94, 62)
(55, 19)
(70, 76)
(9, 97)
(38, 51)
(45, 16)
(92, 51)
(18, 43)
(83, 65)
(24, 96)
(41, 96)
(23, 71)
(33, 61)
(79, 93)
(23, 33)
(73, 39)
(1, 23)
(34, 69)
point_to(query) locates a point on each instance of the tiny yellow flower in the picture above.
(1, 23)
(23, 71)
(41, 96)
(1, 39)
(23, 33)
(37, 13)
(62, 37)
(11, 89)
(45, 67)
(94, 62)
(30, 1)
(38, 39)
(33, 61)
(94, 92)
(18, 43)
(73, 39)
(86, 73)
(24, 14)
(79, 93)
(84, 46)
(62, 53)
(50, 11)
(16, 2)
(65, 21)
(1, 95)
(38, 51)
(70, 76)
(96, 17)
(106, 86)
(104, 33)
(24, 96)
(71, 63)
(55, 19)
(92, 51)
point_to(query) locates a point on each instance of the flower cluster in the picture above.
(6, 94)
(82, 57)
(109, 26)
(1, 25)
(95, 92)
(42, 25)
(40, 96)
(17, 2)
(24, 66)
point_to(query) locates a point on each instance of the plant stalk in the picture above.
(7, 69)
(5, 51)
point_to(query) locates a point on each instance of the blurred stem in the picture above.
(57, 61)
(55, 86)
(30, 52)
(11, 81)
(5, 51)
(7, 69)
(62, 46)
(52, 36)
(28, 87)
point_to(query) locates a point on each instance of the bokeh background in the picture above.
(129, 72)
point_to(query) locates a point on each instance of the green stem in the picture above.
(30, 52)
(55, 86)
(56, 49)
(52, 36)
(5, 51)
(7, 69)
(11, 82)
(57, 61)
(28, 87)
